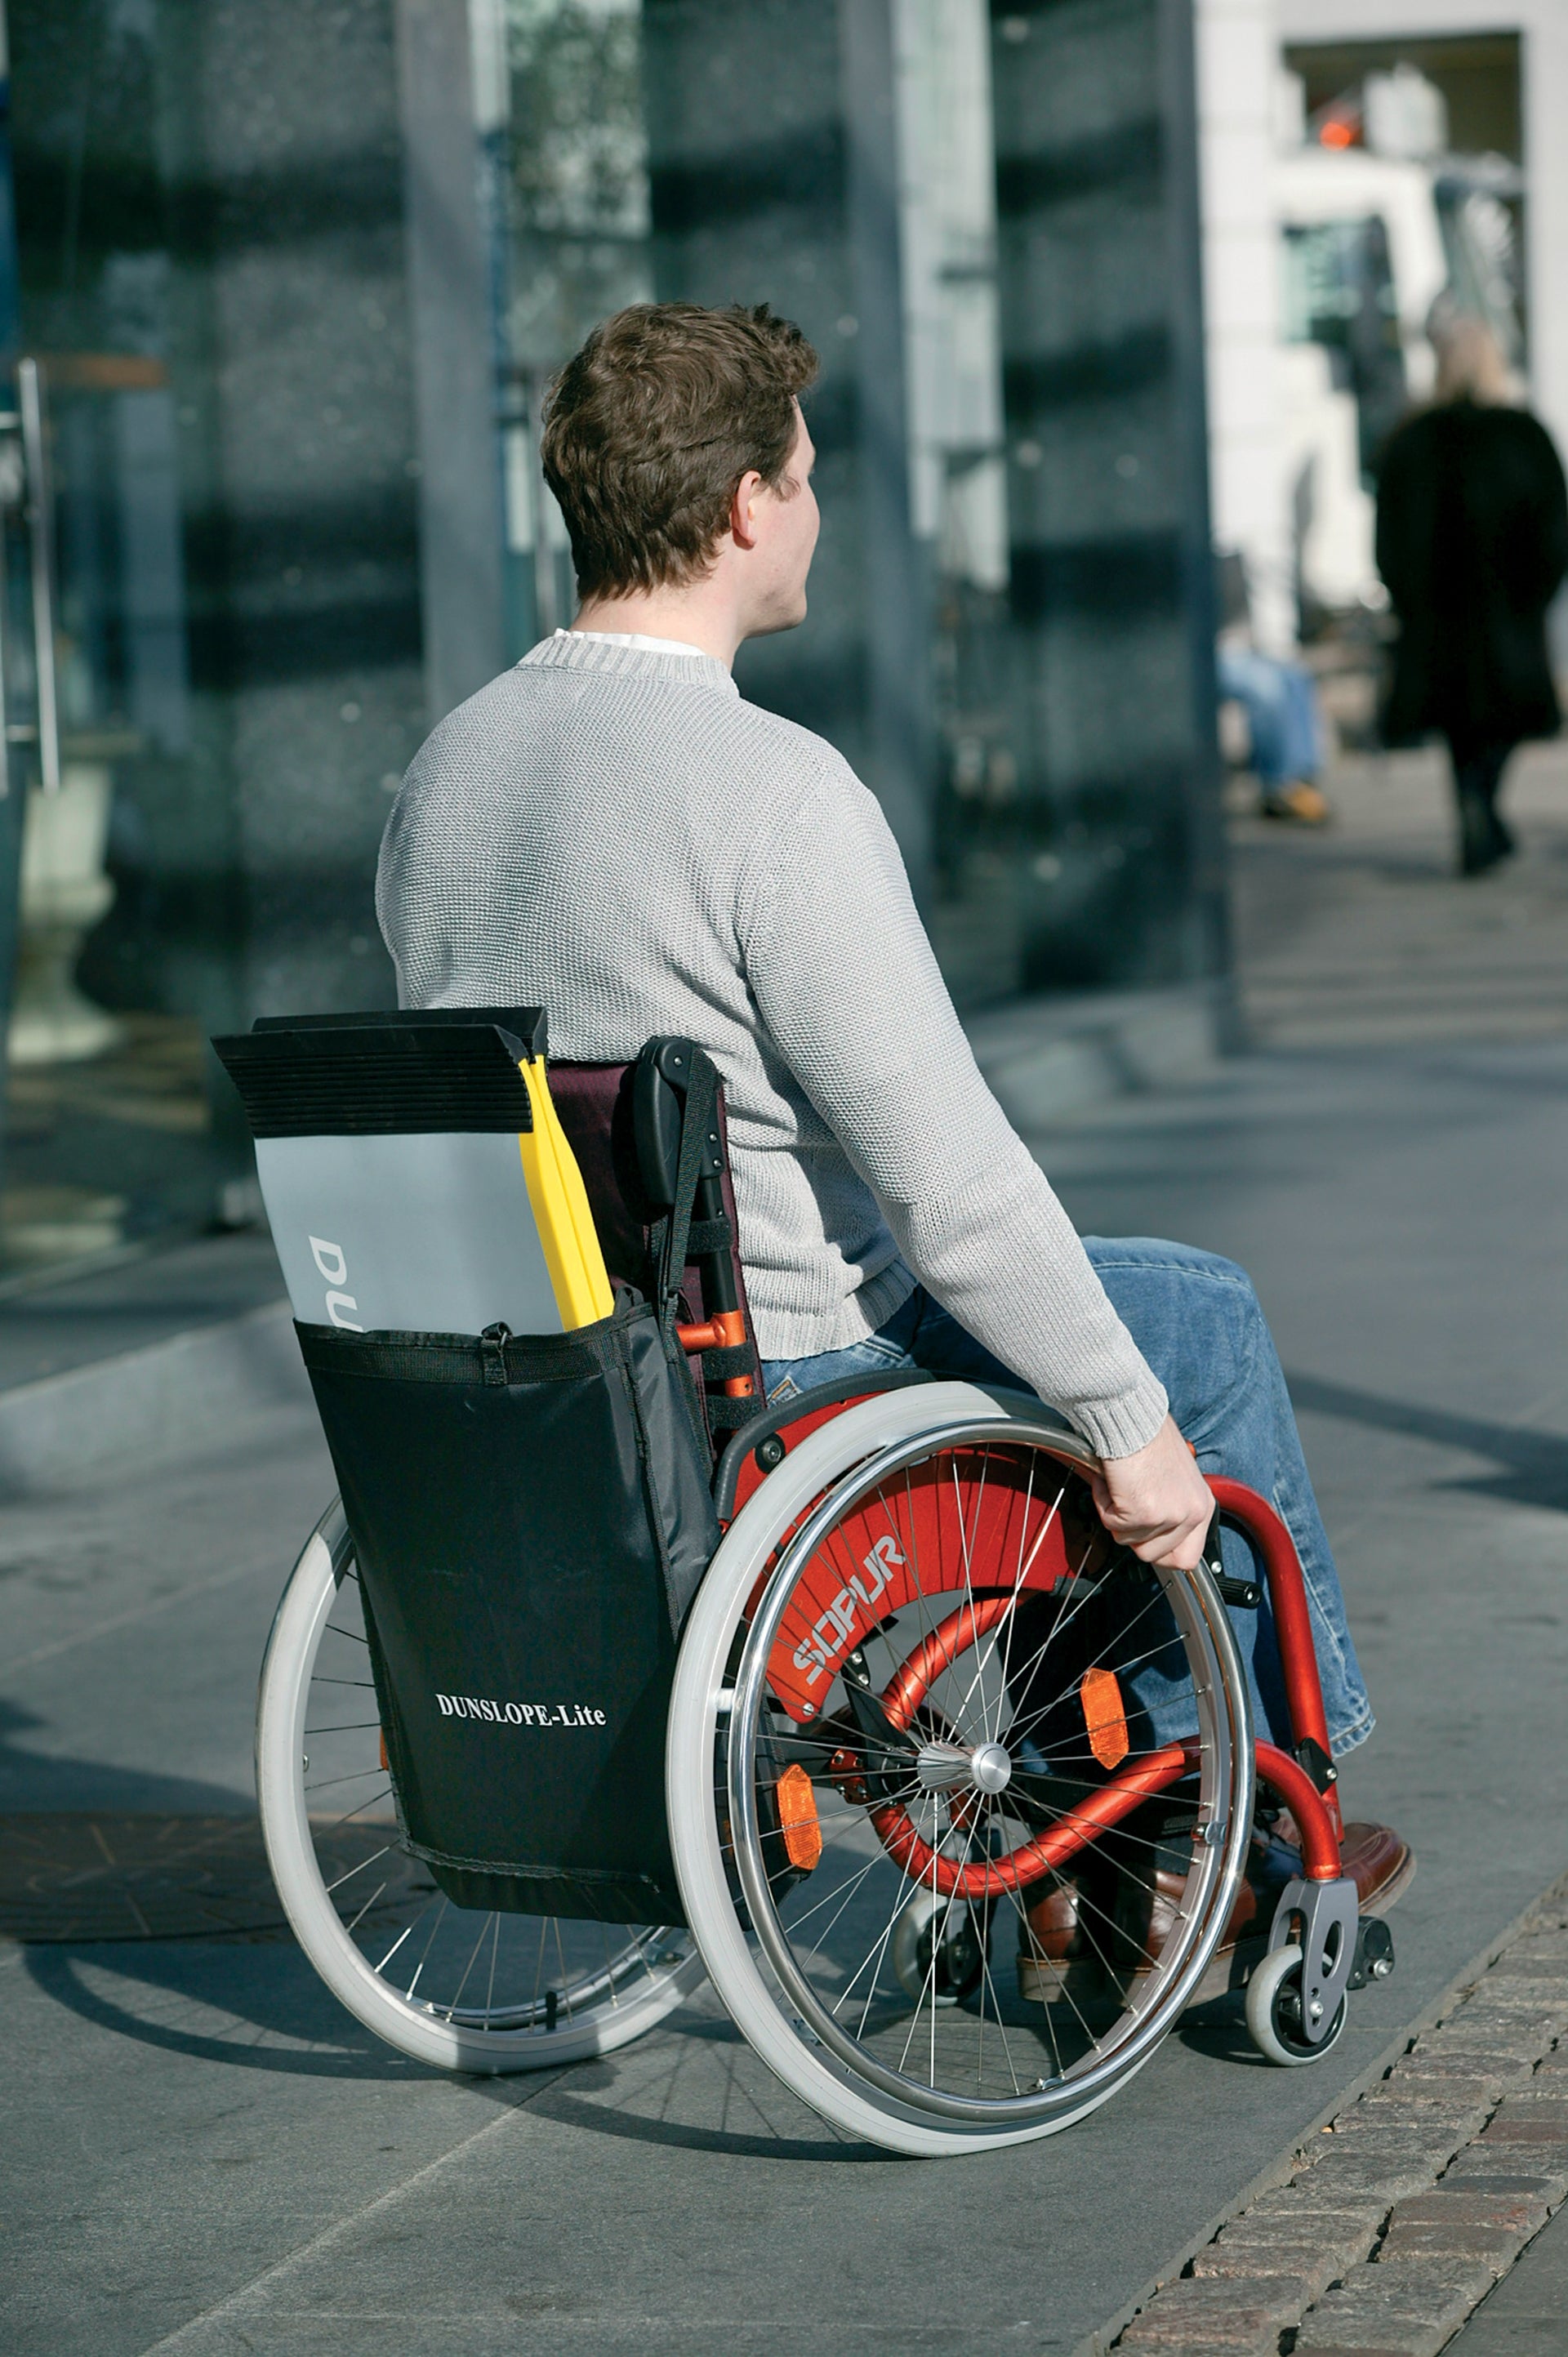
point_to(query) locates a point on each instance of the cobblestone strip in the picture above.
(1413, 2201)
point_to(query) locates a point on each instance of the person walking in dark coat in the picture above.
(1472, 543)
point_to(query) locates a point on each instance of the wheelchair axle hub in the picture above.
(985, 1767)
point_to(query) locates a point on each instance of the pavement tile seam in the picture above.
(1404, 2210)
(235, 2302)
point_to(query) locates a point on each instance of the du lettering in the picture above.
(334, 1267)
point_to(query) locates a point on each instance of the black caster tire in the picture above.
(1274, 2012)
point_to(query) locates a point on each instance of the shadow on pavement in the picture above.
(1218, 2031)
(1537, 1462)
(255, 2005)
(43, 1779)
(260, 2007)
(565, 2104)
(252, 2001)
(697, 2087)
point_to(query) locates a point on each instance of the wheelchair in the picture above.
(913, 1693)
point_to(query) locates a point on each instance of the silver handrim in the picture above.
(1035, 2072)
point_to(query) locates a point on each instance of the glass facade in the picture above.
(212, 541)
(107, 1108)
(985, 221)
(291, 278)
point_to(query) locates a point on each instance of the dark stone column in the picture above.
(451, 299)
(773, 165)
(216, 187)
(312, 639)
(1113, 684)
(1097, 860)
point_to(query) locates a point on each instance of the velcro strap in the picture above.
(708, 1236)
(738, 1359)
(729, 1414)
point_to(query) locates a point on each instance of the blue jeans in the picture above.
(1281, 702)
(1197, 1320)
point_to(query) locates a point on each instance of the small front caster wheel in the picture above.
(938, 1949)
(1273, 2011)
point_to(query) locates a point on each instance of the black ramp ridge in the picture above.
(379, 1080)
(530, 1024)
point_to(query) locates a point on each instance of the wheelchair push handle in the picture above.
(659, 1097)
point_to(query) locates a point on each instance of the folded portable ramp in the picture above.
(414, 1173)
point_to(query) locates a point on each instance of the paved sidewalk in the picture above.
(205, 2154)
(142, 1356)
(1361, 934)
(131, 1300)
(207, 2135)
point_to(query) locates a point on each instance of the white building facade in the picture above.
(1270, 420)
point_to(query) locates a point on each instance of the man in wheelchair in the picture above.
(611, 831)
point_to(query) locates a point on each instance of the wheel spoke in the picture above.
(491, 1986)
(849, 1887)
(1024, 1921)
(987, 1983)
(430, 1942)
(349, 1815)
(348, 1876)
(878, 1949)
(396, 1944)
(354, 1925)
(1017, 1585)
(451, 2009)
(326, 1783)
(930, 1980)
(1124, 1668)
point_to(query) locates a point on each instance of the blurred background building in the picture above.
(283, 282)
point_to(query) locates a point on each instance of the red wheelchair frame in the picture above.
(1304, 1784)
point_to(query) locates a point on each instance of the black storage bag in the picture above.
(531, 1518)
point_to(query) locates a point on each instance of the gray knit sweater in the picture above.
(616, 835)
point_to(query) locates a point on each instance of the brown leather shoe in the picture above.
(1082, 1946)
(1085, 1936)
(1380, 1863)
(1070, 1944)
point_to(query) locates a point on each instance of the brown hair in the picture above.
(648, 431)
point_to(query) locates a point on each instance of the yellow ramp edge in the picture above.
(572, 1250)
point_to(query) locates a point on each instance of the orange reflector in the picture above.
(798, 1819)
(1104, 1716)
(386, 1763)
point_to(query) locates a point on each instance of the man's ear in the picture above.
(742, 519)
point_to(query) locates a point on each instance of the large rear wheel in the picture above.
(920, 1692)
(452, 1985)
